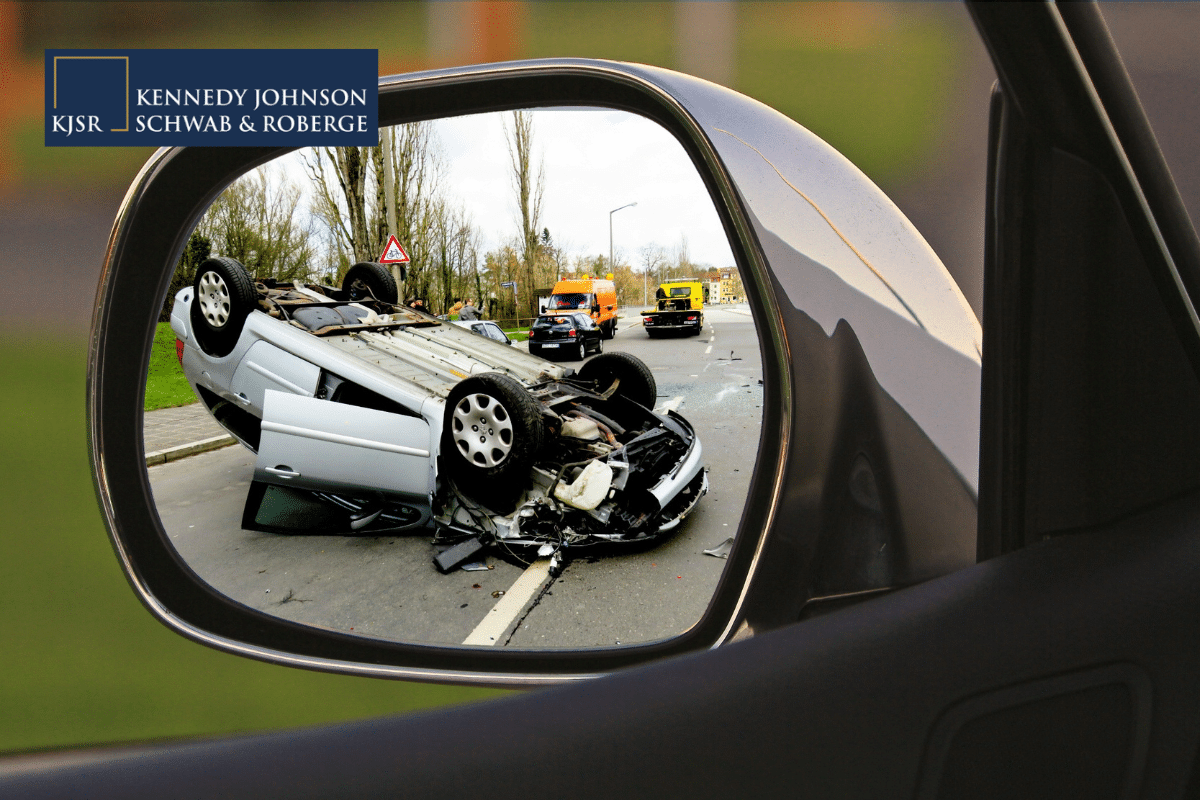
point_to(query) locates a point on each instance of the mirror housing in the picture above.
(870, 354)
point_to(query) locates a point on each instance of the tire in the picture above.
(366, 279)
(652, 334)
(223, 296)
(582, 350)
(499, 412)
(637, 382)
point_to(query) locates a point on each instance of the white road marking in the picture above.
(670, 405)
(489, 630)
(709, 350)
(721, 395)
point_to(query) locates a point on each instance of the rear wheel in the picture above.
(582, 350)
(636, 381)
(492, 433)
(366, 279)
(223, 296)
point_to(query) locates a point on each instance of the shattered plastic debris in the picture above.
(498, 593)
(475, 566)
(545, 550)
(721, 550)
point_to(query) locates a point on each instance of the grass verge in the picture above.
(165, 385)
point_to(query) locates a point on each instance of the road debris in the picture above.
(721, 550)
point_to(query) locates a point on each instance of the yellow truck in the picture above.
(678, 306)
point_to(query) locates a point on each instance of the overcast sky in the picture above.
(594, 160)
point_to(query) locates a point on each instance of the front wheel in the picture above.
(600, 345)
(223, 296)
(491, 436)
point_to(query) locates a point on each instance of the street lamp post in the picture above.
(612, 266)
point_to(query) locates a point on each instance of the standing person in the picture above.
(468, 311)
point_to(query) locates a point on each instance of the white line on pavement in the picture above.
(670, 405)
(721, 395)
(492, 627)
(709, 350)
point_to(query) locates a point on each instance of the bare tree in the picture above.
(557, 254)
(454, 245)
(528, 185)
(350, 198)
(654, 259)
(417, 167)
(344, 211)
(683, 266)
(500, 265)
(257, 221)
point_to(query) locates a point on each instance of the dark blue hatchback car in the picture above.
(565, 336)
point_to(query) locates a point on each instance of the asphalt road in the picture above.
(387, 587)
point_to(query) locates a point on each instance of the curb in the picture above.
(185, 450)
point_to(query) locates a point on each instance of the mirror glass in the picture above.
(532, 426)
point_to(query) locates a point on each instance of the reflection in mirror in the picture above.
(534, 429)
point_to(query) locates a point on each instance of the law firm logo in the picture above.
(94, 93)
(276, 98)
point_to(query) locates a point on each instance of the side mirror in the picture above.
(840, 448)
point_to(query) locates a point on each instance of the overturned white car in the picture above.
(367, 417)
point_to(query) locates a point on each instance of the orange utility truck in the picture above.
(595, 296)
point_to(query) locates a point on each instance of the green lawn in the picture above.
(165, 385)
(517, 334)
(82, 661)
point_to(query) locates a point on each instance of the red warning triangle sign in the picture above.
(393, 253)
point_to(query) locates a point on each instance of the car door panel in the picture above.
(325, 446)
(267, 367)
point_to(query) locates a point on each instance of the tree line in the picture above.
(262, 221)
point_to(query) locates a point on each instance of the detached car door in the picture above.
(323, 446)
